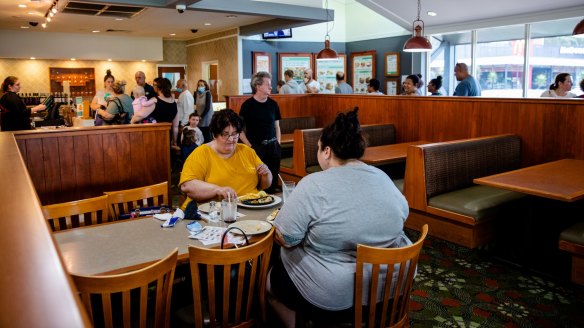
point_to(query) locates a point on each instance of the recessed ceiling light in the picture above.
(73, 59)
(95, 31)
(432, 13)
(143, 60)
(172, 34)
(31, 13)
(44, 25)
(119, 19)
(207, 24)
(22, 6)
(24, 27)
(231, 16)
(109, 59)
(33, 58)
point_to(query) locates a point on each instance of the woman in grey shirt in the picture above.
(324, 219)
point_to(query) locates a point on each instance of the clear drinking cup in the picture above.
(287, 188)
(229, 210)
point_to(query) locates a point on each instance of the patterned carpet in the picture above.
(458, 287)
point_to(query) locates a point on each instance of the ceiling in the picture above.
(159, 18)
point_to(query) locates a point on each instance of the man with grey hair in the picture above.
(310, 85)
(261, 116)
(291, 86)
(342, 86)
(140, 78)
(468, 85)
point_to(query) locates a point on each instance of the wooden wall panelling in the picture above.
(52, 169)
(82, 167)
(126, 178)
(97, 174)
(67, 173)
(35, 165)
(110, 162)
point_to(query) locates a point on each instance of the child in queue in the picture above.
(141, 104)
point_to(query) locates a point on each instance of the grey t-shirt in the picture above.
(329, 213)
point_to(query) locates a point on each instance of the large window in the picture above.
(500, 56)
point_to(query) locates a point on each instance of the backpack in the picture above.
(119, 118)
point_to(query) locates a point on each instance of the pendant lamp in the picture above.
(327, 52)
(579, 29)
(418, 42)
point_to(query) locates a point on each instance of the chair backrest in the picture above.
(396, 288)
(97, 293)
(233, 278)
(77, 213)
(310, 143)
(289, 124)
(379, 134)
(121, 202)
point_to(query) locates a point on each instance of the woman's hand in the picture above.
(105, 115)
(265, 176)
(263, 170)
(38, 108)
(226, 192)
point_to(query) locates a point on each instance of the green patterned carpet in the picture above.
(458, 287)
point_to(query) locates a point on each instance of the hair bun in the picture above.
(439, 77)
(108, 72)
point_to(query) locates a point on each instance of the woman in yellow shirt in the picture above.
(223, 168)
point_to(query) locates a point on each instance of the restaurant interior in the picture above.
(497, 179)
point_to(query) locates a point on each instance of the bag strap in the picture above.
(118, 103)
(227, 231)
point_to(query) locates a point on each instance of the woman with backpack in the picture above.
(119, 108)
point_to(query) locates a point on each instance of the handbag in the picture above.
(119, 118)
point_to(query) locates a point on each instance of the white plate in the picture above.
(251, 227)
(277, 200)
(206, 207)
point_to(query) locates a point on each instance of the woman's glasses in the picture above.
(226, 135)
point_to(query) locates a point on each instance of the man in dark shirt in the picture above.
(141, 81)
(261, 115)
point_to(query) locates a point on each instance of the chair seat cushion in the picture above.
(478, 202)
(313, 169)
(574, 234)
(286, 162)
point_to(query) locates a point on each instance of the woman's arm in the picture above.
(265, 176)
(203, 191)
(278, 131)
(95, 103)
(175, 129)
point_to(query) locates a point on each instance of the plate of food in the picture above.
(258, 200)
(251, 227)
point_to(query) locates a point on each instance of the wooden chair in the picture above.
(233, 278)
(121, 202)
(380, 315)
(77, 213)
(97, 292)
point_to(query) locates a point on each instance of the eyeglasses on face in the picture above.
(226, 135)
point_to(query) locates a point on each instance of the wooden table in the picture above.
(287, 138)
(560, 180)
(387, 154)
(124, 246)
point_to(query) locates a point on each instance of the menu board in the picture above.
(363, 64)
(296, 62)
(326, 72)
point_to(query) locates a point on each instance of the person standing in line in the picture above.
(261, 116)
(468, 86)
(204, 107)
(560, 88)
(185, 102)
(291, 86)
(100, 99)
(420, 85)
(140, 78)
(310, 84)
(434, 86)
(373, 87)
(117, 104)
(13, 112)
(581, 88)
(342, 86)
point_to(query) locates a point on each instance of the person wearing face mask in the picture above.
(185, 102)
(204, 107)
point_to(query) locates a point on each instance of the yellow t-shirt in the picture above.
(238, 171)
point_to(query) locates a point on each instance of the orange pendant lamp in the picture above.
(418, 42)
(327, 52)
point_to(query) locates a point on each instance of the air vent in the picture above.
(106, 10)
(117, 31)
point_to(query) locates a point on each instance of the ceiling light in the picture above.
(119, 19)
(579, 29)
(32, 58)
(432, 13)
(51, 14)
(73, 59)
(172, 34)
(231, 16)
(95, 31)
(327, 52)
(54, 10)
(24, 27)
(22, 6)
(109, 59)
(418, 42)
(31, 13)
(44, 25)
(49, 19)
(207, 24)
(143, 60)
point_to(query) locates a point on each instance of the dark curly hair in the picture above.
(344, 136)
(108, 75)
(223, 119)
(437, 82)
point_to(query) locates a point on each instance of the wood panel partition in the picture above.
(36, 289)
(78, 163)
(550, 129)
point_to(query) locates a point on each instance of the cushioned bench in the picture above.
(572, 240)
(288, 125)
(304, 159)
(440, 190)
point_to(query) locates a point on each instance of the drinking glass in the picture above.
(287, 188)
(229, 210)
